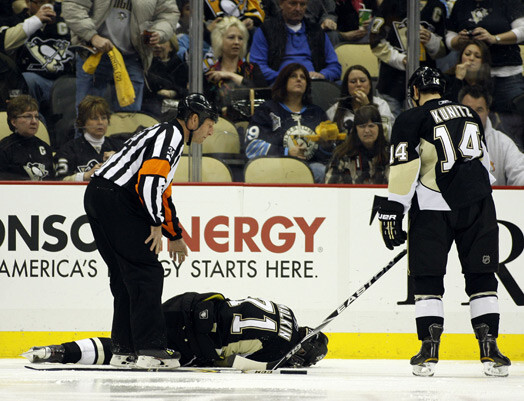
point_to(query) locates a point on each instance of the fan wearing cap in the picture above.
(439, 174)
(129, 207)
(211, 330)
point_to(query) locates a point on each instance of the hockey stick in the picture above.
(276, 364)
(105, 368)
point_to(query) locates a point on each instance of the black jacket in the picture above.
(274, 30)
(23, 158)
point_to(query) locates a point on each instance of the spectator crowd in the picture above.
(69, 67)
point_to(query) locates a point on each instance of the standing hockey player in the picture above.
(129, 207)
(440, 174)
(210, 330)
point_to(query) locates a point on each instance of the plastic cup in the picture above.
(146, 36)
(364, 14)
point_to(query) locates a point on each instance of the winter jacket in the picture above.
(309, 46)
(85, 17)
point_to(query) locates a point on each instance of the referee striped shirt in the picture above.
(146, 165)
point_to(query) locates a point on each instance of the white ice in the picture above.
(331, 379)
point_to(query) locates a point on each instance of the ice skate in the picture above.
(424, 362)
(123, 360)
(50, 353)
(158, 359)
(494, 363)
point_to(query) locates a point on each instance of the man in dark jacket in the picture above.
(305, 43)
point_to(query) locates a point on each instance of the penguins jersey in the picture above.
(389, 41)
(273, 127)
(79, 156)
(255, 328)
(237, 8)
(438, 151)
(47, 52)
(25, 158)
(389, 29)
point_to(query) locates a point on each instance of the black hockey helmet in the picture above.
(196, 103)
(312, 351)
(427, 78)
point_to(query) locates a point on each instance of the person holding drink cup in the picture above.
(133, 27)
(354, 18)
(149, 35)
(364, 15)
(388, 42)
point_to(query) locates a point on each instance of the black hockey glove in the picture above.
(390, 215)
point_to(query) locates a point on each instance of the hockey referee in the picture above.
(129, 207)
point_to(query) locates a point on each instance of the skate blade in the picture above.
(425, 369)
(149, 362)
(34, 355)
(122, 361)
(492, 369)
(123, 365)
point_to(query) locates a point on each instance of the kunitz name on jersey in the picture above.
(450, 111)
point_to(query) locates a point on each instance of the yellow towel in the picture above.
(125, 92)
(91, 63)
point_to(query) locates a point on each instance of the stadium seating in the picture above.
(277, 170)
(122, 122)
(223, 141)
(350, 54)
(213, 170)
(324, 93)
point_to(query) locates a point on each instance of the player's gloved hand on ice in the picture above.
(390, 215)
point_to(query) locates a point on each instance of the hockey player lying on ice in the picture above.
(209, 330)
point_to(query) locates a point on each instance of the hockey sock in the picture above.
(429, 309)
(72, 352)
(92, 351)
(484, 308)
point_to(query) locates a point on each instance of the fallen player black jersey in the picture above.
(208, 328)
(438, 151)
(256, 328)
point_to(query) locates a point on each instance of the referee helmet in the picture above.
(196, 103)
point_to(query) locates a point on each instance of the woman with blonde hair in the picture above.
(230, 71)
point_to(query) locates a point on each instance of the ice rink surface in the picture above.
(331, 379)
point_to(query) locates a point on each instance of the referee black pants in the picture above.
(120, 226)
